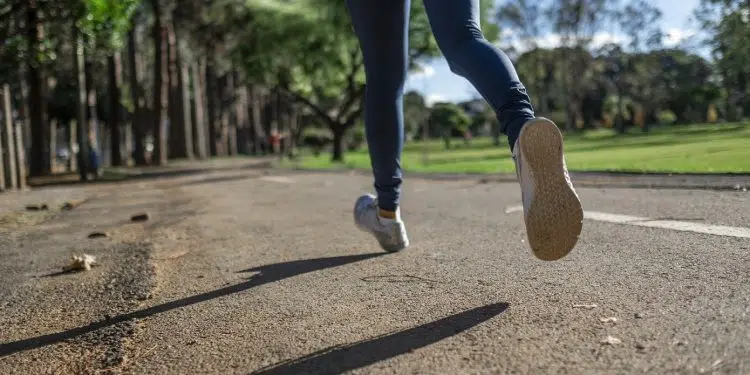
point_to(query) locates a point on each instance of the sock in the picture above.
(387, 216)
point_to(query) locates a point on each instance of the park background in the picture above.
(91, 87)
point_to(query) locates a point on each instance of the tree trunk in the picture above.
(211, 100)
(257, 108)
(115, 80)
(231, 113)
(20, 155)
(53, 145)
(81, 122)
(338, 144)
(93, 124)
(199, 125)
(40, 132)
(72, 145)
(225, 110)
(9, 144)
(4, 181)
(284, 115)
(619, 118)
(566, 88)
(184, 86)
(138, 119)
(161, 87)
(222, 143)
(243, 128)
(24, 110)
(293, 126)
(177, 134)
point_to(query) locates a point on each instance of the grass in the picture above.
(699, 148)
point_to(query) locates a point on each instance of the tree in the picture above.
(101, 28)
(639, 19)
(415, 113)
(40, 131)
(325, 70)
(577, 21)
(728, 25)
(445, 117)
(161, 84)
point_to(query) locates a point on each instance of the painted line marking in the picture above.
(683, 226)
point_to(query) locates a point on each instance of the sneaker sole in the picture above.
(555, 217)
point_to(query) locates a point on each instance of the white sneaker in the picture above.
(552, 210)
(390, 233)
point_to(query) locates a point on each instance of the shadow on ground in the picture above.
(265, 274)
(338, 360)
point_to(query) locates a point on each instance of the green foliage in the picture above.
(445, 117)
(415, 112)
(666, 117)
(106, 22)
(356, 137)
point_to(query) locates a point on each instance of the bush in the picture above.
(356, 138)
(713, 114)
(558, 117)
(316, 139)
(666, 117)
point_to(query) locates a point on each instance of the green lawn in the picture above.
(705, 148)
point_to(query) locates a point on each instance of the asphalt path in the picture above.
(263, 272)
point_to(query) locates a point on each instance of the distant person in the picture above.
(552, 210)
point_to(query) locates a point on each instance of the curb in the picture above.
(649, 180)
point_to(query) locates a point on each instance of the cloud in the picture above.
(553, 40)
(674, 36)
(434, 98)
(422, 72)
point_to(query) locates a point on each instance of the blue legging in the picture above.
(382, 29)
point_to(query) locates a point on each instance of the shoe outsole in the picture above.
(554, 219)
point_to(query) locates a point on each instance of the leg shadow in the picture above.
(341, 359)
(266, 274)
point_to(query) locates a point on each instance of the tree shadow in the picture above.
(340, 359)
(266, 274)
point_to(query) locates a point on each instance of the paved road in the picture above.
(242, 272)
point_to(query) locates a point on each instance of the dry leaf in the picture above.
(81, 263)
(610, 340)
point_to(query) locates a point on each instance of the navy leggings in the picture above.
(382, 29)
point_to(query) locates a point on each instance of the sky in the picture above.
(438, 83)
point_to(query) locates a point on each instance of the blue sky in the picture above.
(438, 83)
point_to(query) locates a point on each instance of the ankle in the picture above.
(385, 214)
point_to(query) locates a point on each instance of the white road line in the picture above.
(683, 226)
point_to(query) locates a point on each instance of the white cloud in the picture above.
(601, 39)
(674, 36)
(422, 72)
(553, 40)
(434, 98)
